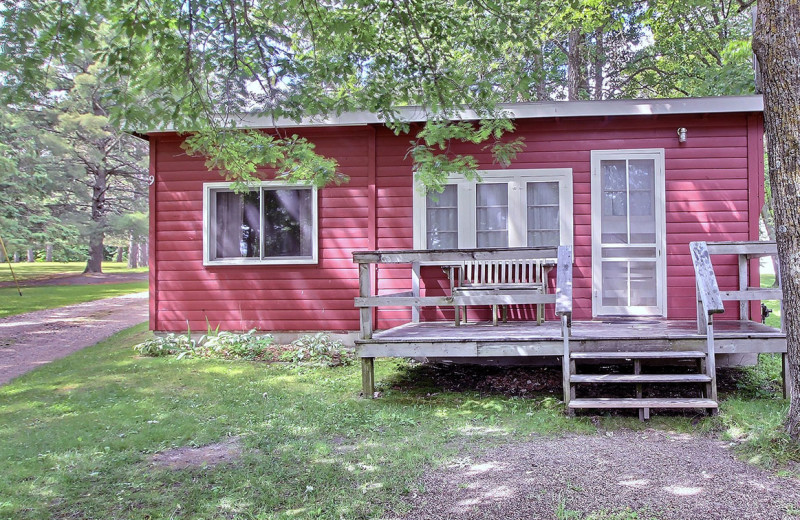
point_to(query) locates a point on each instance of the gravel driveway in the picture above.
(35, 338)
(653, 473)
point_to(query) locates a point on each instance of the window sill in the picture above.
(232, 262)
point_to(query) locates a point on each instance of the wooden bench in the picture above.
(501, 277)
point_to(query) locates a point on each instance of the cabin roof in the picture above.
(544, 109)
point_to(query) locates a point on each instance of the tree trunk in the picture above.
(133, 253)
(16, 257)
(575, 69)
(48, 253)
(120, 253)
(598, 63)
(98, 230)
(143, 247)
(31, 255)
(776, 43)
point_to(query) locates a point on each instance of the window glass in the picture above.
(543, 223)
(442, 219)
(237, 225)
(491, 211)
(287, 222)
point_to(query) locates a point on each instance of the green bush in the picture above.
(217, 345)
(319, 348)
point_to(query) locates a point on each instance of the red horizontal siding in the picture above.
(709, 183)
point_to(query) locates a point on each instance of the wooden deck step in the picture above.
(688, 354)
(640, 378)
(632, 402)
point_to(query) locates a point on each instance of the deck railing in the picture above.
(710, 300)
(448, 259)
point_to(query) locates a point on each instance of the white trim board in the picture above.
(516, 179)
(208, 217)
(658, 156)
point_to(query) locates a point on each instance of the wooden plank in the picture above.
(751, 294)
(449, 301)
(640, 378)
(365, 290)
(744, 312)
(564, 281)
(632, 402)
(566, 365)
(711, 363)
(754, 249)
(706, 281)
(418, 349)
(452, 256)
(415, 277)
(368, 378)
(689, 354)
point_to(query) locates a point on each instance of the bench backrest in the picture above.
(497, 272)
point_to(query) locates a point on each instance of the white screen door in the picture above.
(628, 222)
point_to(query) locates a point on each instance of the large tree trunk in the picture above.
(776, 43)
(598, 63)
(576, 75)
(31, 255)
(120, 253)
(143, 253)
(98, 233)
(48, 253)
(133, 253)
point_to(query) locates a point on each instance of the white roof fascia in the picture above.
(615, 107)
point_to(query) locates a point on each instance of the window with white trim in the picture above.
(507, 208)
(273, 223)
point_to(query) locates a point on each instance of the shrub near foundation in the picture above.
(214, 345)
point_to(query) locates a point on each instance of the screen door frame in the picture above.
(659, 210)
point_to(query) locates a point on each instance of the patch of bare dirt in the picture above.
(35, 338)
(224, 452)
(654, 473)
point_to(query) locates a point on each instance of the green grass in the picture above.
(38, 270)
(52, 296)
(774, 319)
(77, 435)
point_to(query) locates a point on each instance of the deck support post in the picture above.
(711, 364)
(566, 365)
(365, 291)
(368, 378)
(744, 305)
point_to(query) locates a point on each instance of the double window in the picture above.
(520, 208)
(270, 224)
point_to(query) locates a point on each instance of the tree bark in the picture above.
(143, 253)
(575, 69)
(98, 230)
(133, 253)
(16, 257)
(598, 63)
(120, 253)
(776, 43)
(48, 253)
(31, 255)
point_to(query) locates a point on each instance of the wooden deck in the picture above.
(444, 339)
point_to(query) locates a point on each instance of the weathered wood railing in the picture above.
(453, 259)
(710, 300)
(564, 312)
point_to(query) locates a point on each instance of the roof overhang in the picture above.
(538, 110)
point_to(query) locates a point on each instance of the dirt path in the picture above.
(652, 473)
(35, 338)
(79, 279)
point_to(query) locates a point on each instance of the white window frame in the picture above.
(659, 157)
(517, 205)
(209, 209)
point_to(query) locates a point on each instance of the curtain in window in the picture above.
(287, 222)
(491, 212)
(544, 228)
(237, 225)
(442, 219)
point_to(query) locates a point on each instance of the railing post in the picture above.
(415, 275)
(744, 305)
(365, 291)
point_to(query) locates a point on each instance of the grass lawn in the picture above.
(38, 270)
(52, 296)
(78, 434)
